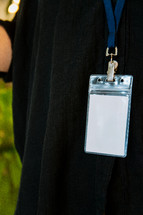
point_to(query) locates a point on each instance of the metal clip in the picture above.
(111, 54)
(112, 65)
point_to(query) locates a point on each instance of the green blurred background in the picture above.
(10, 164)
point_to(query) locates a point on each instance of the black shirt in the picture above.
(58, 45)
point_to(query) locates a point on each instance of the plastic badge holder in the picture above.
(108, 115)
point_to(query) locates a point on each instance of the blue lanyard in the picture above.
(113, 19)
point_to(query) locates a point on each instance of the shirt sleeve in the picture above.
(10, 29)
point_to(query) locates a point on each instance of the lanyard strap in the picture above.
(113, 19)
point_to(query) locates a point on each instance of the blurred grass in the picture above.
(10, 165)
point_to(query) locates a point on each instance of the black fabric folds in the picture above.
(58, 45)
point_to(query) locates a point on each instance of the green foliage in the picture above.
(6, 132)
(9, 182)
(10, 165)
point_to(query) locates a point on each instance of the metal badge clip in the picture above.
(112, 65)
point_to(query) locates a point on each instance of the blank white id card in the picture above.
(108, 115)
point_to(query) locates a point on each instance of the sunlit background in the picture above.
(10, 165)
(8, 8)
